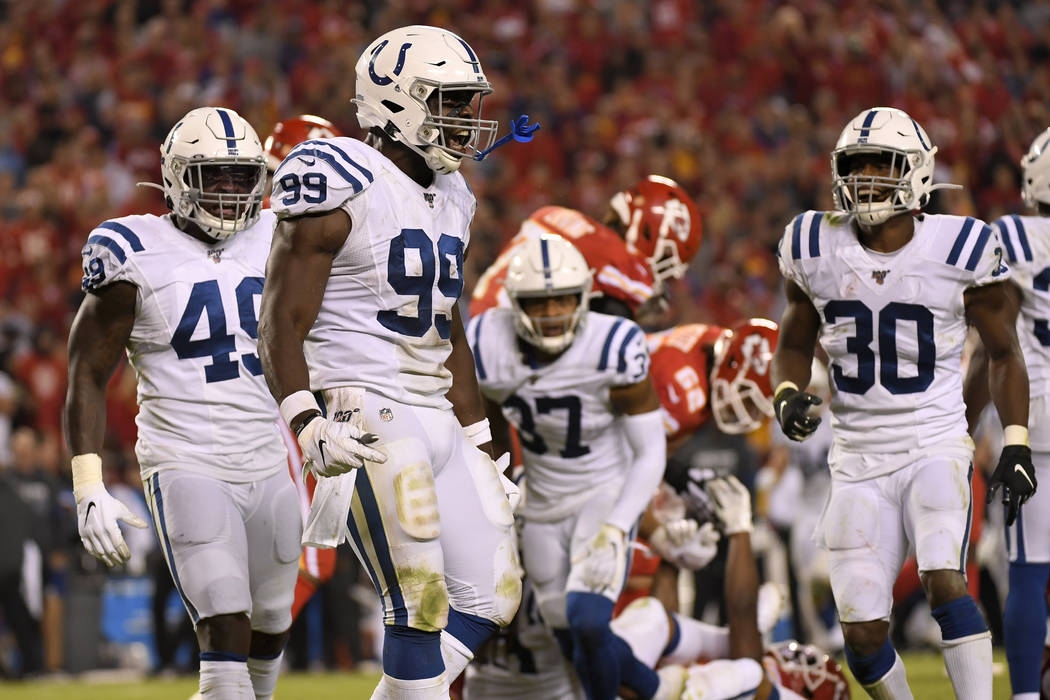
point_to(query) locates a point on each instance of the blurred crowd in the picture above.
(739, 100)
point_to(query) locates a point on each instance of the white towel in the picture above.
(326, 524)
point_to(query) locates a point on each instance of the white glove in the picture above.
(331, 448)
(685, 543)
(509, 487)
(97, 516)
(732, 504)
(603, 559)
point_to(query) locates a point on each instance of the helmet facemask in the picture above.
(741, 397)
(534, 329)
(871, 198)
(222, 196)
(447, 138)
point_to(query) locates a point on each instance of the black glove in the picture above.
(791, 407)
(1016, 475)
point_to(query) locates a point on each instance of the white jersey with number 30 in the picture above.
(385, 321)
(203, 401)
(894, 327)
(562, 411)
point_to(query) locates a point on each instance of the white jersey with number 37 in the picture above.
(562, 411)
(203, 401)
(1026, 240)
(893, 326)
(385, 320)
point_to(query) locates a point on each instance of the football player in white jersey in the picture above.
(179, 294)
(889, 292)
(366, 269)
(576, 386)
(1026, 240)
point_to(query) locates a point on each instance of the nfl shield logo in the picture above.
(215, 255)
(386, 415)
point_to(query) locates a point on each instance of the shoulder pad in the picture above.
(106, 253)
(320, 175)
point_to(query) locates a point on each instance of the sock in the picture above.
(881, 674)
(595, 645)
(697, 640)
(263, 673)
(411, 654)
(455, 655)
(416, 689)
(463, 635)
(1024, 626)
(224, 676)
(304, 590)
(967, 647)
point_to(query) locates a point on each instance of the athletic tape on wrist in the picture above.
(297, 403)
(478, 433)
(87, 471)
(1015, 435)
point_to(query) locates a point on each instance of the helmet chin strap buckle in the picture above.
(520, 130)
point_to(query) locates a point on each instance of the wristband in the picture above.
(478, 433)
(297, 403)
(87, 471)
(784, 385)
(1015, 435)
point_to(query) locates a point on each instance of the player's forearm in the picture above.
(647, 467)
(741, 597)
(791, 365)
(281, 353)
(976, 387)
(1008, 386)
(84, 413)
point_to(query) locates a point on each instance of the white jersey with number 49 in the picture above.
(562, 411)
(385, 321)
(1026, 241)
(893, 326)
(203, 401)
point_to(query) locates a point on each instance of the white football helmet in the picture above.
(548, 266)
(1035, 172)
(892, 134)
(399, 73)
(210, 143)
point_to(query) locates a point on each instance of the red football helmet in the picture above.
(741, 395)
(291, 132)
(806, 670)
(661, 222)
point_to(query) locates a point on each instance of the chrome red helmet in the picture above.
(291, 132)
(807, 670)
(661, 222)
(741, 395)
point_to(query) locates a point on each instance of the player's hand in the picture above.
(97, 516)
(603, 559)
(792, 410)
(332, 448)
(732, 503)
(685, 543)
(1016, 475)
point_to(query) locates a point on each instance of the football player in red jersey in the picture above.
(649, 234)
(316, 565)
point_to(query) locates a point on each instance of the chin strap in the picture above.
(520, 130)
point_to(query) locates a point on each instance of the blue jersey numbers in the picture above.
(407, 278)
(206, 301)
(526, 423)
(875, 337)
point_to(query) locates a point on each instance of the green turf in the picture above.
(925, 674)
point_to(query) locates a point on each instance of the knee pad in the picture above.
(645, 627)
(415, 494)
(411, 654)
(508, 573)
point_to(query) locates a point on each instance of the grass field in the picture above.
(925, 673)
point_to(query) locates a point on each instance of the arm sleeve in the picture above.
(645, 435)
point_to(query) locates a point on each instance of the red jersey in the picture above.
(679, 368)
(618, 273)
